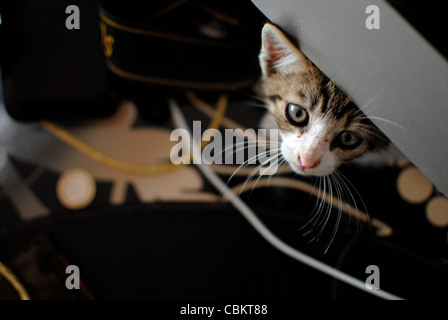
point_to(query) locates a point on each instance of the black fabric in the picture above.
(209, 251)
(151, 55)
(170, 251)
(50, 72)
(41, 269)
(46, 66)
(162, 43)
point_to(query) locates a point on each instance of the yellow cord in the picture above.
(121, 165)
(175, 82)
(163, 35)
(12, 279)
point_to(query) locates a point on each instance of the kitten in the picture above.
(319, 125)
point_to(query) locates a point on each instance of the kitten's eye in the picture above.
(296, 115)
(349, 140)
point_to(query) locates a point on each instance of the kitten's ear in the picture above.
(278, 54)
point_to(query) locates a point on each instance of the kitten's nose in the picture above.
(308, 163)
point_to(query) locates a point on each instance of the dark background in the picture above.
(187, 250)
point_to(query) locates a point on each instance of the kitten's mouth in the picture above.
(315, 171)
(301, 170)
(309, 171)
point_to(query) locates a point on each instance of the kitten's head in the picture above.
(319, 125)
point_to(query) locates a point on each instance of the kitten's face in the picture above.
(319, 125)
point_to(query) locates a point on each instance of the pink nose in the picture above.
(308, 163)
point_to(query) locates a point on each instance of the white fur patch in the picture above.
(287, 61)
(311, 145)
